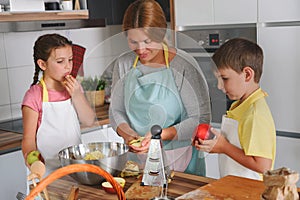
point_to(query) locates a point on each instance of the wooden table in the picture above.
(181, 184)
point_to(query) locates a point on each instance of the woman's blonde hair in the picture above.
(146, 14)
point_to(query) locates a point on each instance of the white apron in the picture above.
(228, 166)
(59, 129)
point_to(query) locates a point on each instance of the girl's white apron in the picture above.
(59, 129)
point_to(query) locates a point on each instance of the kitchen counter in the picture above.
(11, 141)
(181, 184)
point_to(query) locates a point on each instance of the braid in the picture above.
(42, 49)
(36, 74)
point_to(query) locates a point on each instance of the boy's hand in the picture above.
(215, 145)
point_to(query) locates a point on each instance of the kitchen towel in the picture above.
(78, 56)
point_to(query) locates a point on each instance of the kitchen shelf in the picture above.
(42, 16)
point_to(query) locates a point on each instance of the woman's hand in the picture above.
(145, 144)
(72, 86)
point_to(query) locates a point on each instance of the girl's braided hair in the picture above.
(43, 47)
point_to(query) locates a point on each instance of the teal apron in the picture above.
(153, 99)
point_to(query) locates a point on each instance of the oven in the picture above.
(201, 42)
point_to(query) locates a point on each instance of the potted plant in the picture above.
(94, 90)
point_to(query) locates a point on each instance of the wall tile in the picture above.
(18, 47)
(5, 112)
(19, 79)
(2, 52)
(96, 66)
(4, 97)
(16, 111)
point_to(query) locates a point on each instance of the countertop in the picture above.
(11, 141)
(182, 183)
(46, 15)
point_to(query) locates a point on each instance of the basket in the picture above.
(73, 169)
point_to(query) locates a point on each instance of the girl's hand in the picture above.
(72, 86)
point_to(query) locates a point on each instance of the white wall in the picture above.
(17, 67)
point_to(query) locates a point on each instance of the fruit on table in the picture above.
(33, 156)
(109, 188)
(137, 142)
(203, 132)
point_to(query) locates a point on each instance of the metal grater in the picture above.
(155, 172)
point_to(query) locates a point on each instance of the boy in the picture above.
(247, 145)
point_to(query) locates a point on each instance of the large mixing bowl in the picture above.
(115, 158)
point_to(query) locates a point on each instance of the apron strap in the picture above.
(166, 54)
(45, 92)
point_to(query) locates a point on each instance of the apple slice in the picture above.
(109, 188)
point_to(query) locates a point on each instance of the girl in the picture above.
(52, 106)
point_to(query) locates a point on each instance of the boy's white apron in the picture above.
(228, 166)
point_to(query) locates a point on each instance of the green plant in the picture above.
(92, 84)
(101, 84)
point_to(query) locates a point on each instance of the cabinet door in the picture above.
(278, 10)
(13, 175)
(235, 11)
(193, 12)
(287, 154)
(280, 78)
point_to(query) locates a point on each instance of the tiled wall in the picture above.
(17, 67)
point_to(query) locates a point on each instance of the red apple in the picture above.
(203, 132)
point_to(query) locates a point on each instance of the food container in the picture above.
(115, 158)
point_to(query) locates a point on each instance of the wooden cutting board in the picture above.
(136, 191)
(229, 188)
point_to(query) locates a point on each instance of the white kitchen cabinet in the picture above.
(210, 12)
(287, 154)
(235, 11)
(193, 12)
(280, 77)
(101, 135)
(278, 10)
(13, 175)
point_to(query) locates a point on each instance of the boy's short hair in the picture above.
(238, 53)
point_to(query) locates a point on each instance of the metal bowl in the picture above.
(113, 162)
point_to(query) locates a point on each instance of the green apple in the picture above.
(33, 156)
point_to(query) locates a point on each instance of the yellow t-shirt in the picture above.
(257, 133)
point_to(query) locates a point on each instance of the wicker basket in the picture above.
(72, 169)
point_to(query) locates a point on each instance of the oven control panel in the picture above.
(211, 38)
(214, 39)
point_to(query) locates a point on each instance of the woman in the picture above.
(158, 84)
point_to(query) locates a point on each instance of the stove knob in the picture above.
(201, 42)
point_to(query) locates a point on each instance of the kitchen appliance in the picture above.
(15, 125)
(113, 10)
(201, 42)
(52, 5)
